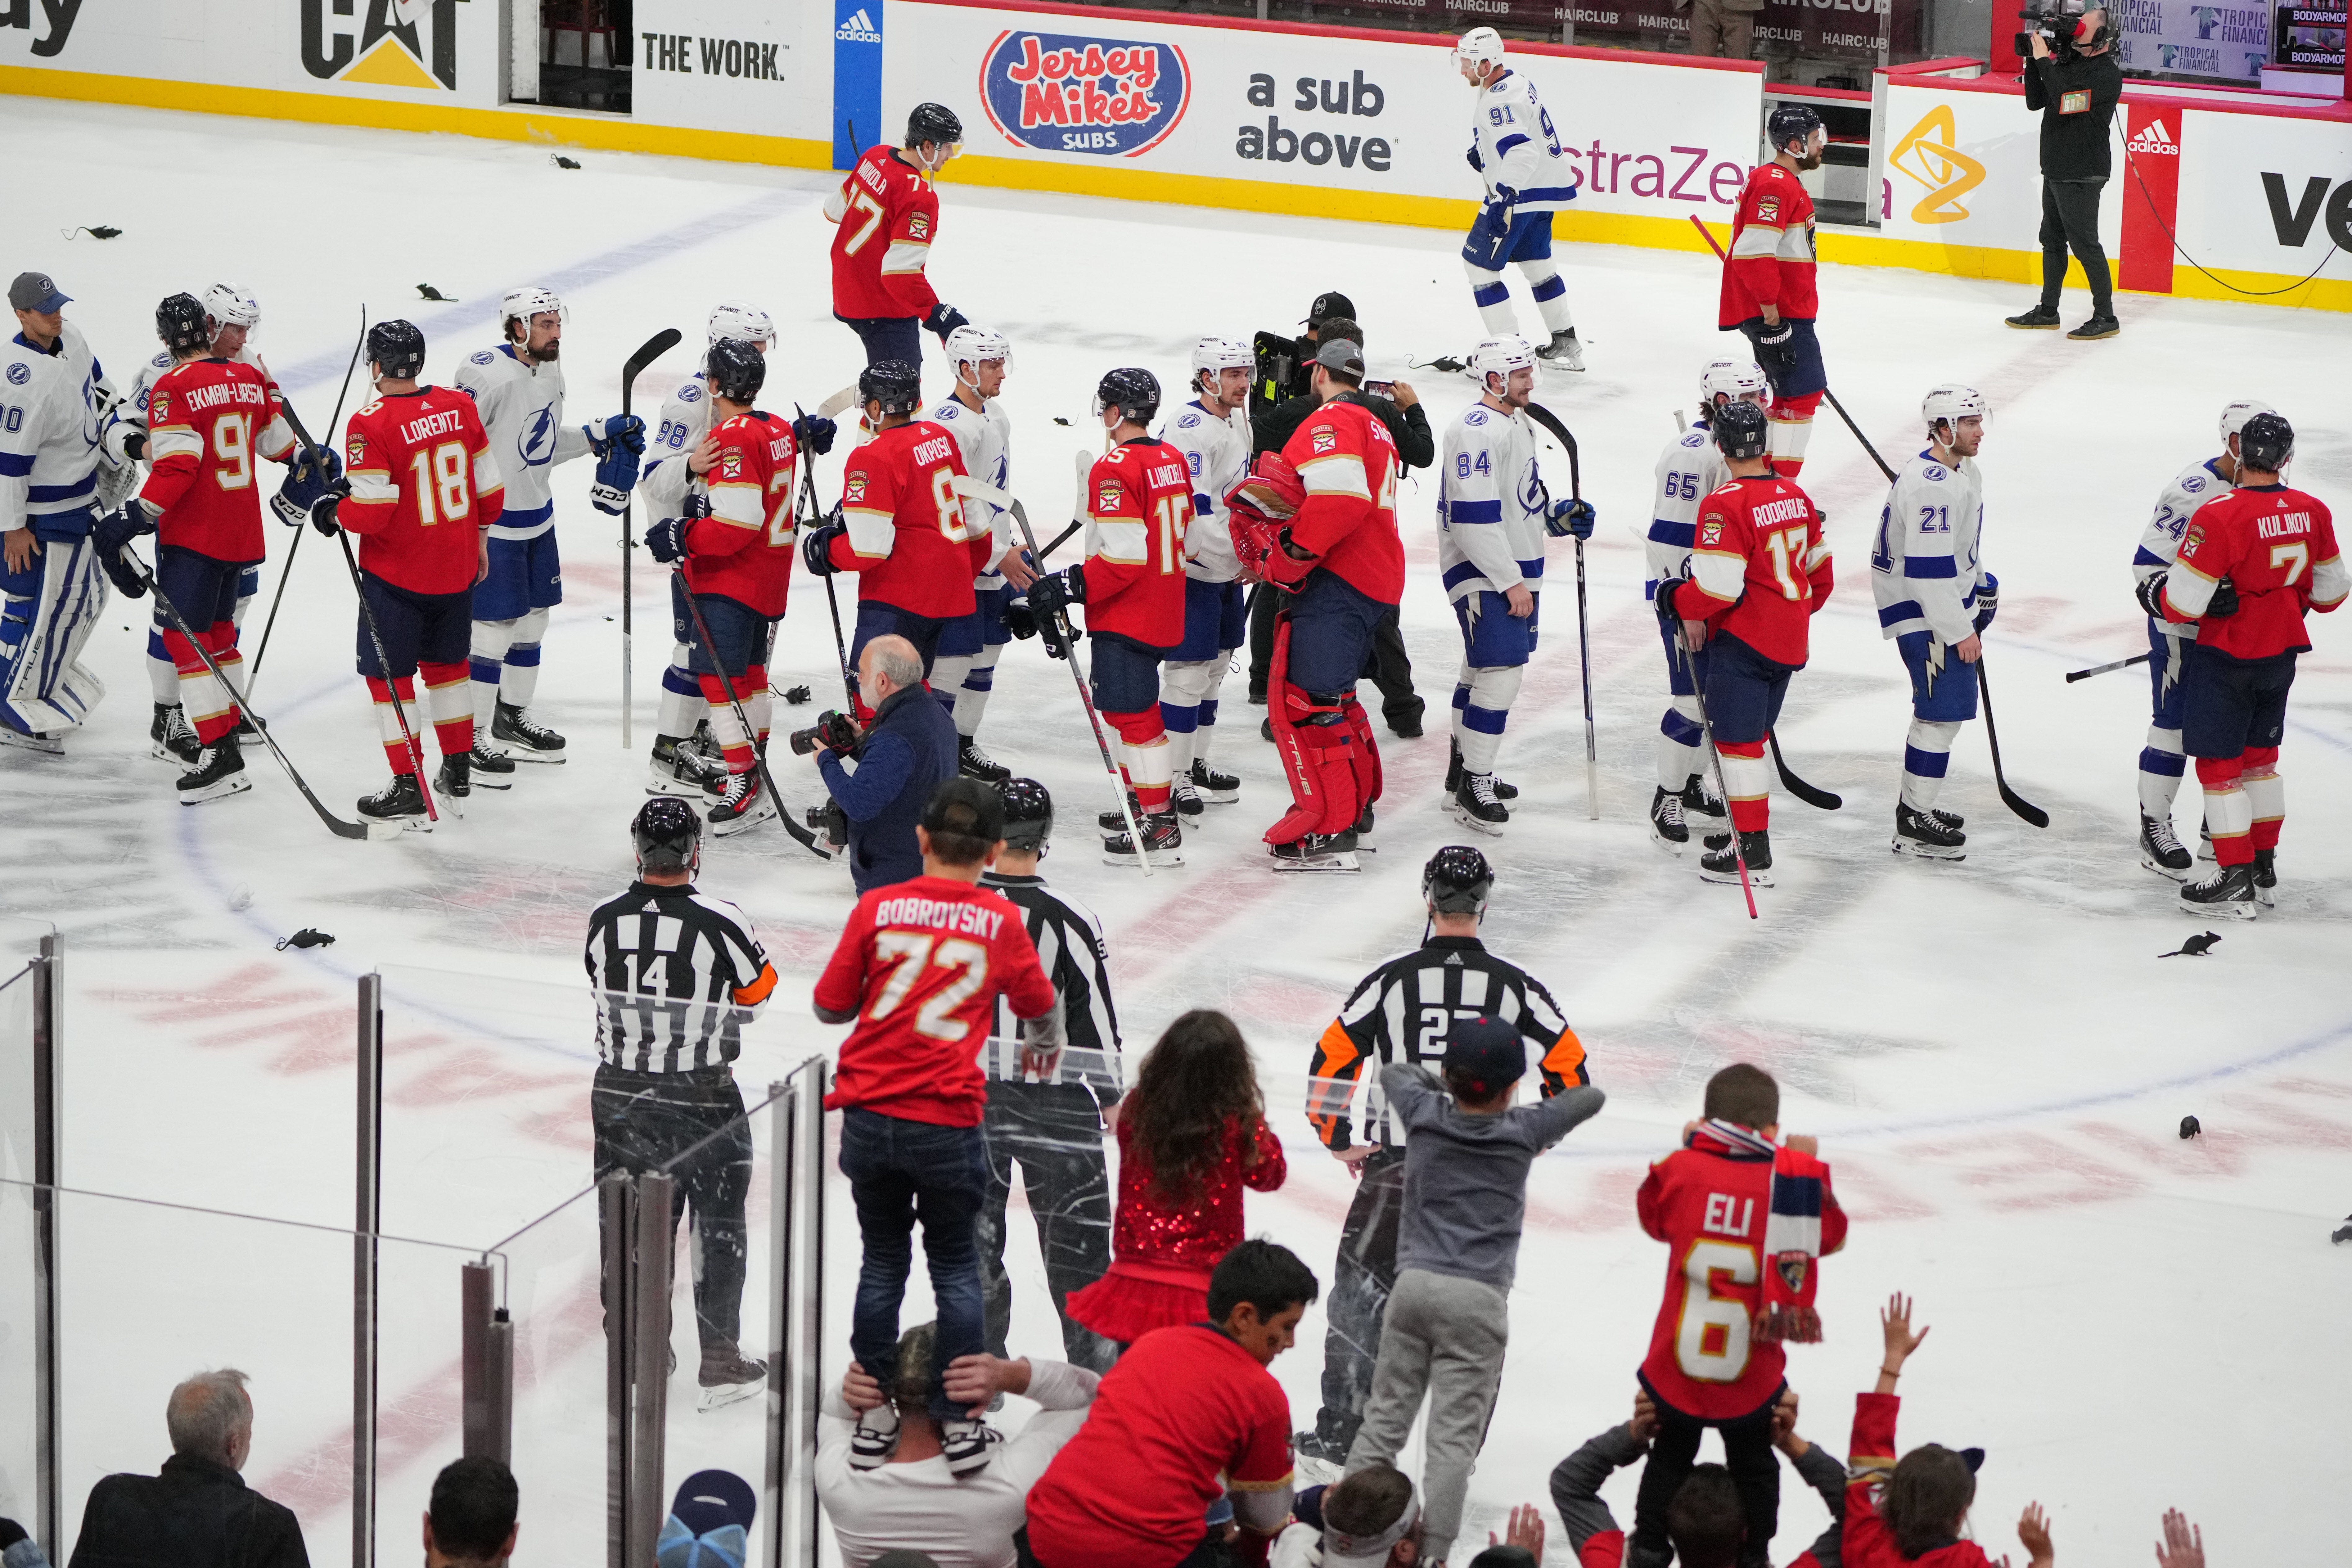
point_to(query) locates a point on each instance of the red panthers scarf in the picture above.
(1792, 1236)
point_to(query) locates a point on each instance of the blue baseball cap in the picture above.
(37, 292)
(1484, 1055)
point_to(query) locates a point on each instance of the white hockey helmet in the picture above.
(1735, 379)
(1501, 356)
(522, 304)
(968, 345)
(1479, 46)
(1215, 353)
(230, 305)
(1953, 401)
(2234, 416)
(742, 322)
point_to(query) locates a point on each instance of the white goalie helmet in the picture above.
(1501, 356)
(2234, 417)
(1735, 379)
(968, 345)
(1953, 401)
(1479, 46)
(229, 305)
(741, 324)
(522, 304)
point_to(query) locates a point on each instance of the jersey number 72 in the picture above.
(910, 956)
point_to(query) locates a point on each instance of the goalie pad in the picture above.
(47, 614)
(1322, 755)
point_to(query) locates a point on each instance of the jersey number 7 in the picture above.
(860, 202)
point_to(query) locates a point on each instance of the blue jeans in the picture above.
(900, 1171)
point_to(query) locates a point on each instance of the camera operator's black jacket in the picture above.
(1408, 427)
(2076, 95)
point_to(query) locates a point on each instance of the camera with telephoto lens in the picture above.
(833, 732)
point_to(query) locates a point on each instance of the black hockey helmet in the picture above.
(897, 386)
(396, 347)
(1792, 122)
(738, 370)
(180, 322)
(2266, 442)
(1134, 392)
(1028, 814)
(1457, 881)
(933, 122)
(1738, 429)
(668, 835)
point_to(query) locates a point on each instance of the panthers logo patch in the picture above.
(1711, 533)
(1106, 498)
(355, 452)
(1326, 440)
(159, 411)
(854, 490)
(2192, 538)
(731, 464)
(918, 227)
(1768, 210)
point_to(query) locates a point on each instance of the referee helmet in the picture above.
(668, 835)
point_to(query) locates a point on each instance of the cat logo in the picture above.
(389, 50)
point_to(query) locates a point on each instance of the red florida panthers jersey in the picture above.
(1138, 505)
(1771, 261)
(744, 549)
(1347, 460)
(2277, 547)
(1759, 567)
(208, 422)
(906, 533)
(424, 486)
(887, 212)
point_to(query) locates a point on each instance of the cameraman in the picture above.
(2076, 90)
(907, 751)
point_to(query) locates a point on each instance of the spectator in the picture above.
(710, 1523)
(470, 1521)
(2183, 1545)
(198, 1512)
(1916, 1510)
(18, 1550)
(907, 751)
(1190, 1414)
(1465, 1203)
(962, 1521)
(1371, 1520)
(1722, 28)
(1191, 1134)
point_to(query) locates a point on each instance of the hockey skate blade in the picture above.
(380, 828)
(1342, 862)
(2232, 911)
(1670, 846)
(1730, 878)
(659, 781)
(765, 811)
(1162, 859)
(45, 744)
(1494, 829)
(2167, 872)
(1918, 851)
(219, 789)
(732, 1394)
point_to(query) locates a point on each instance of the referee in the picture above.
(676, 974)
(1402, 1011)
(1053, 1128)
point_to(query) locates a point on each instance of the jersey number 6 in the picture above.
(1711, 1339)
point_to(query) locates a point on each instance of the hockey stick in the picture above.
(652, 349)
(286, 573)
(1707, 735)
(1559, 431)
(335, 825)
(995, 497)
(1058, 541)
(2009, 797)
(1819, 799)
(2075, 675)
(802, 836)
(1708, 234)
(832, 600)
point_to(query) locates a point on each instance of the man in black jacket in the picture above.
(1408, 426)
(909, 751)
(2076, 90)
(198, 1513)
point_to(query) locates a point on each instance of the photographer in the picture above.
(2076, 89)
(907, 751)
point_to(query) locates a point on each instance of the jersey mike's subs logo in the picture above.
(1062, 93)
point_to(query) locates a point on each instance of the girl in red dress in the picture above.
(1191, 1134)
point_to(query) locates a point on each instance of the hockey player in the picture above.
(1517, 153)
(738, 564)
(2161, 762)
(55, 396)
(964, 671)
(1769, 292)
(1493, 513)
(1132, 582)
(518, 388)
(2252, 563)
(1759, 570)
(887, 215)
(900, 524)
(1213, 435)
(422, 491)
(1401, 1012)
(1934, 598)
(1688, 469)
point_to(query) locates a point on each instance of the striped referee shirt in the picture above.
(1403, 1010)
(1070, 948)
(678, 973)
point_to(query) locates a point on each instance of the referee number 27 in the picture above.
(911, 956)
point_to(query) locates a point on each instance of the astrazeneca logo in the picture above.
(1058, 93)
(1929, 152)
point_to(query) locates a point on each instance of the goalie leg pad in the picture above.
(47, 614)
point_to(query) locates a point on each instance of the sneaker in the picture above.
(975, 763)
(1474, 806)
(678, 768)
(1318, 852)
(2039, 319)
(2160, 849)
(1919, 832)
(1720, 865)
(532, 742)
(2097, 327)
(2229, 892)
(2266, 878)
(220, 771)
(1564, 351)
(1115, 822)
(1699, 799)
(729, 1375)
(875, 1438)
(455, 778)
(1216, 788)
(1163, 833)
(745, 805)
(399, 804)
(1666, 824)
(489, 767)
(1183, 797)
(967, 1444)
(170, 738)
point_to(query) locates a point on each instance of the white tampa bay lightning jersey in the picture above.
(1926, 569)
(1689, 470)
(521, 406)
(51, 407)
(665, 479)
(1490, 531)
(1216, 454)
(1512, 142)
(2190, 489)
(985, 441)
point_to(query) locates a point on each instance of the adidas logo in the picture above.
(2154, 138)
(858, 29)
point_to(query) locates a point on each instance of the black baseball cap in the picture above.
(35, 291)
(1484, 1055)
(1327, 305)
(966, 806)
(711, 1499)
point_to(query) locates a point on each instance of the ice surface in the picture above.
(1993, 1053)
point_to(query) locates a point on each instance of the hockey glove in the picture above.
(625, 430)
(1019, 620)
(1987, 601)
(1057, 590)
(666, 541)
(307, 483)
(943, 319)
(1777, 349)
(2150, 593)
(123, 567)
(1476, 162)
(1058, 636)
(322, 516)
(1288, 565)
(815, 432)
(1569, 519)
(1669, 617)
(127, 441)
(616, 476)
(113, 530)
(816, 548)
(2224, 603)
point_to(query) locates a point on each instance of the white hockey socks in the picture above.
(682, 705)
(973, 691)
(1927, 751)
(2160, 767)
(1184, 688)
(945, 680)
(1493, 298)
(491, 639)
(1551, 295)
(519, 682)
(1482, 706)
(1679, 739)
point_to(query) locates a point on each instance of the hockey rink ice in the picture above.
(1995, 1056)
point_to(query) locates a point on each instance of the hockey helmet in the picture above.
(522, 304)
(2266, 442)
(1212, 355)
(968, 345)
(1738, 430)
(892, 382)
(1501, 356)
(396, 349)
(1134, 392)
(2234, 416)
(1735, 380)
(180, 322)
(738, 370)
(1458, 881)
(1792, 122)
(231, 306)
(937, 123)
(668, 835)
(1028, 814)
(1479, 46)
(744, 323)
(1952, 403)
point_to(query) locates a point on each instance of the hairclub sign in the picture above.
(1061, 92)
